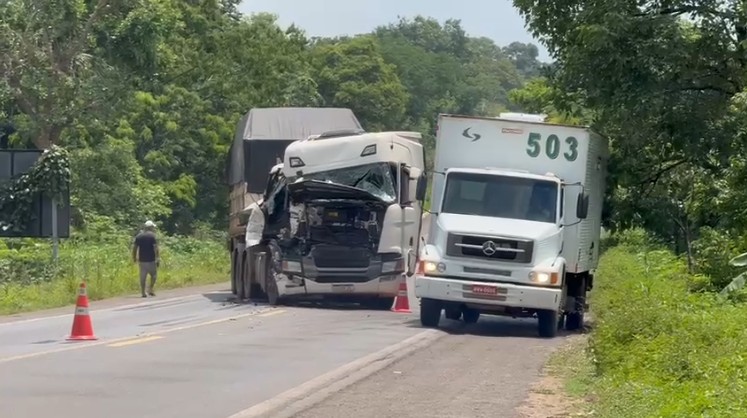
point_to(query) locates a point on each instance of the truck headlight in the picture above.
(431, 267)
(545, 278)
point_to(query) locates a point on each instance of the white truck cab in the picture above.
(516, 217)
(342, 217)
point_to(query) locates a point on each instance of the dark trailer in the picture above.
(260, 141)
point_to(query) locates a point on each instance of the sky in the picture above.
(496, 19)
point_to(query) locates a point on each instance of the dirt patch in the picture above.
(547, 399)
(549, 396)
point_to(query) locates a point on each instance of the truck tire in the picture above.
(574, 321)
(547, 323)
(273, 296)
(471, 316)
(430, 312)
(234, 270)
(241, 279)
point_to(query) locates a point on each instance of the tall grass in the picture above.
(29, 280)
(659, 347)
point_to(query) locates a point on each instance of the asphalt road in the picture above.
(193, 356)
(185, 354)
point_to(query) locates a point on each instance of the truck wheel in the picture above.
(547, 323)
(574, 321)
(471, 315)
(241, 278)
(430, 312)
(234, 270)
(453, 313)
(271, 286)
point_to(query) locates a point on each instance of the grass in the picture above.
(657, 349)
(30, 281)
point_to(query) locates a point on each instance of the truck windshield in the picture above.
(377, 179)
(500, 197)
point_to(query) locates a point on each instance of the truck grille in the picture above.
(504, 249)
(332, 256)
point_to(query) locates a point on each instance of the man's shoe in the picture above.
(144, 295)
(151, 293)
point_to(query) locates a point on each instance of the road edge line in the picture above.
(316, 390)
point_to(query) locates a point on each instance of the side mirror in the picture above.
(422, 188)
(582, 205)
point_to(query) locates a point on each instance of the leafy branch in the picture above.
(49, 176)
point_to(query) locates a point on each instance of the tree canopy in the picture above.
(665, 81)
(145, 95)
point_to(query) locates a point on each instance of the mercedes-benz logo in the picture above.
(489, 248)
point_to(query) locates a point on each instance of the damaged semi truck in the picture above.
(261, 138)
(339, 220)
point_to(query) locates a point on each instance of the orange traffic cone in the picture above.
(402, 302)
(82, 326)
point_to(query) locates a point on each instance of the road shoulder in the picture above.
(480, 371)
(560, 390)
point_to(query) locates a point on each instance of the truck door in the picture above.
(412, 214)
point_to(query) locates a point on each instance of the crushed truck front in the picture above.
(344, 217)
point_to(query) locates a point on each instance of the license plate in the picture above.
(343, 288)
(484, 290)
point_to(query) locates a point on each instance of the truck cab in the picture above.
(507, 240)
(342, 217)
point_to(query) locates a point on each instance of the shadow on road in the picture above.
(226, 298)
(496, 327)
(220, 297)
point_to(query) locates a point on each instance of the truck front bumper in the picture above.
(494, 294)
(386, 286)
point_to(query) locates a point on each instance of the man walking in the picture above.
(145, 252)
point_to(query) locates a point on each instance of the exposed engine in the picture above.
(344, 223)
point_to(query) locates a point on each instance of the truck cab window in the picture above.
(378, 179)
(501, 197)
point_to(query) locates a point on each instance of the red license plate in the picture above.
(484, 290)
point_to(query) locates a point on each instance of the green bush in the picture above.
(660, 350)
(712, 252)
(29, 280)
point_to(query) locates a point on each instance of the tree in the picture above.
(660, 86)
(524, 57)
(49, 66)
(354, 74)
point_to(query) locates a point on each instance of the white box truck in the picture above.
(515, 221)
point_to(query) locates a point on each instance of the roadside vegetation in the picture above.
(666, 84)
(662, 343)
(30, 281)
